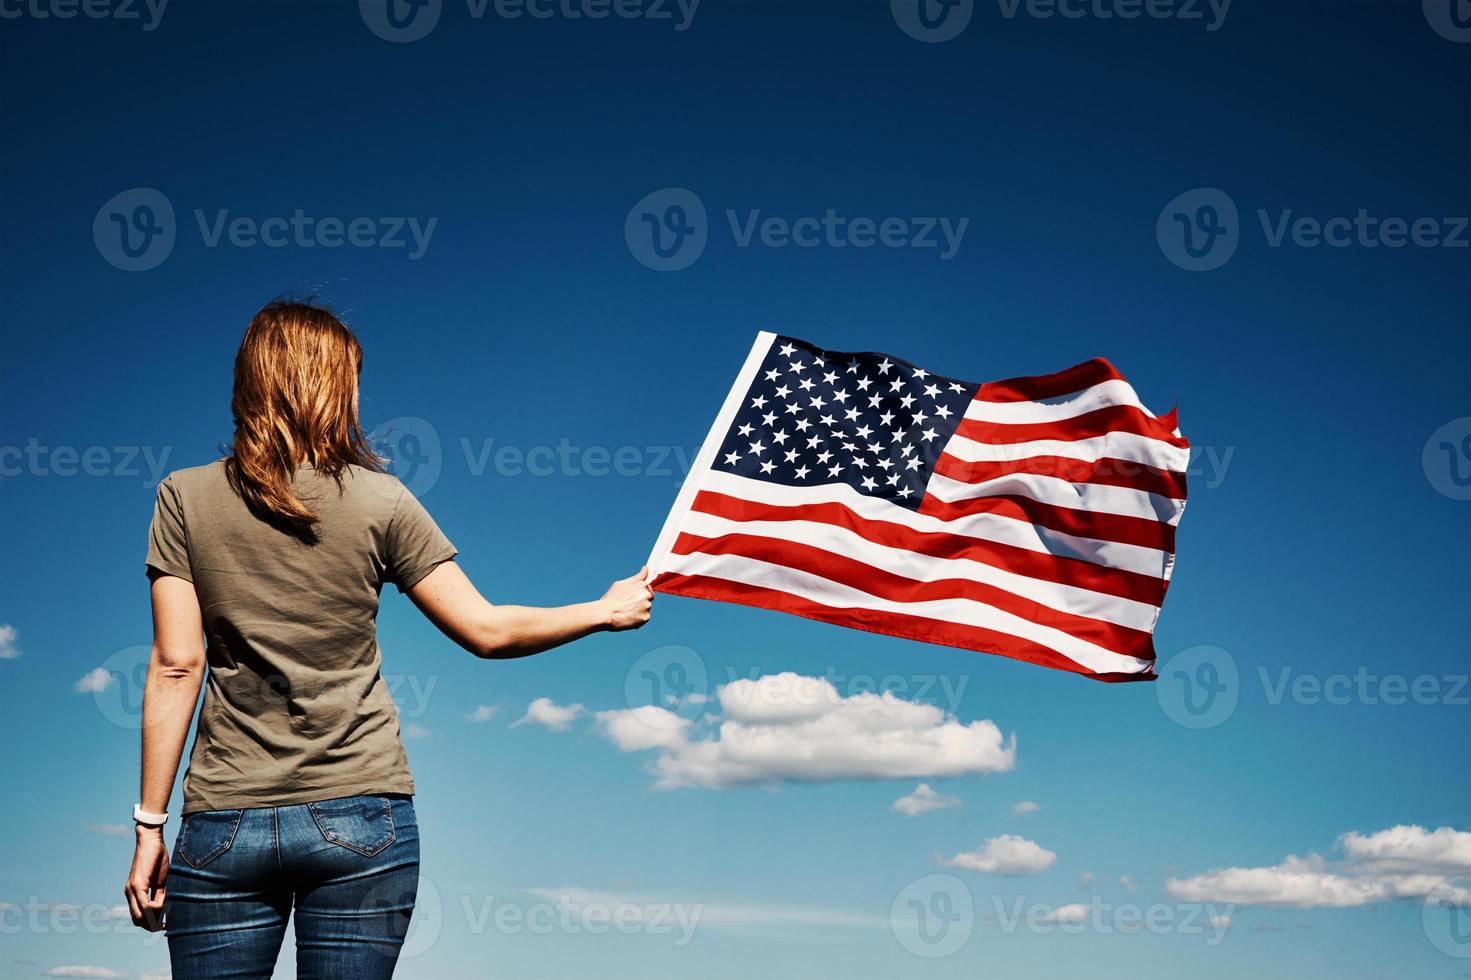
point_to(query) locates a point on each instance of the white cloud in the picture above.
(1401, 862)
(8, 649)
(646, 727)
(549, 715)
(1005, 855)
(789, 728)
(482, 712)
(923, 800)
(1128, 883)
(83, 971)
(1220, 922)
(1088, 881)
(1066, 913)
(94, 681)
(415, 731)
(109, 829)
(1025, 807)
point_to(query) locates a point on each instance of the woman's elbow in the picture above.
(178, 664)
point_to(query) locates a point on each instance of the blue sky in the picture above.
(1326, 536)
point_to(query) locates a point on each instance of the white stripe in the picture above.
(701, 466)
(1095, 497)
(1061, 407)
(927, 568)
(805, 585)
(986, 527)
(1115, 445)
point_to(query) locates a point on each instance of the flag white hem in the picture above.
(718, 429)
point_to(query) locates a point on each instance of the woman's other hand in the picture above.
(145, 887)
(628, 601)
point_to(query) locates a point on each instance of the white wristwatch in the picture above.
(147, 819)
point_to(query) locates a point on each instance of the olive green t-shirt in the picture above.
(295, 709)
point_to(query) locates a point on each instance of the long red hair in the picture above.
(295, 402)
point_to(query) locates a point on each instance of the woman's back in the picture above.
(295, 708)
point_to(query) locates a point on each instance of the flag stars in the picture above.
(854, 421)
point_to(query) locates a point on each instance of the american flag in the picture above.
(1032, 518)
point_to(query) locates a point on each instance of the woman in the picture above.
(298, 792)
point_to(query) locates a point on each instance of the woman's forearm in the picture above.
(497, 632)
(520, 631)
(169, 694)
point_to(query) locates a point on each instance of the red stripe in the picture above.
(1064, 382)
(1061, 569)
(1084, 523)
(890, 624)
(1106, 472)
(897, 588)
(1089, 425)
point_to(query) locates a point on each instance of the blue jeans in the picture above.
(350, 868)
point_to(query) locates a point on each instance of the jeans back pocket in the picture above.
(359, 823)
(207, 834)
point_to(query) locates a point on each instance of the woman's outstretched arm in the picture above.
(175, 670)
(453, 604)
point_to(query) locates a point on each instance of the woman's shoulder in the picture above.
(190, 478)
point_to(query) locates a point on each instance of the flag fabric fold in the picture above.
(1032, 518)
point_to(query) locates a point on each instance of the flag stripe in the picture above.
(1098, 498)
(1117, 445)
(1059, 570)
(1067, 406)
(1115, 419)
(866, 573)
(959, 612)
(986, 527)
(1107, 472)
(1079, 523)
(1046, 386)
(918, 566)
